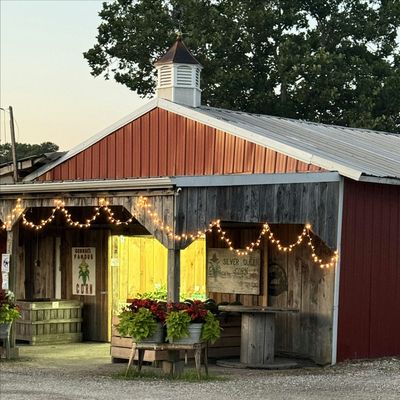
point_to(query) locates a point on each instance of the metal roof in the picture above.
(177, 54)
(332, 147)
(354, 153)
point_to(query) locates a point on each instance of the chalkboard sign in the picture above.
(230, 273)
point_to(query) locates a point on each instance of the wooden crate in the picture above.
(49, 322)
(227, 346)
(121, 347)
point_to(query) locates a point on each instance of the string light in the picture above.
(15, 213)
(147, 209)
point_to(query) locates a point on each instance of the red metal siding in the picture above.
(161, 143)
(369, 309)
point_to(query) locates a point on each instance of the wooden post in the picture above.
(12, 244)
(264, 274)
(174, 264)
(173, 275)
(13, 146)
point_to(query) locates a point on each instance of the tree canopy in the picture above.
(331, 61)
(25, 150)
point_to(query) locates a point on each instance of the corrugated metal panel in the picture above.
(369, 301)
(161, 143)
(370, 152)
(351, 152)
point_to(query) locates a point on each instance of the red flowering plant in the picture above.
(141, 318)
(157, 308)
(181, 315)
(9, 311)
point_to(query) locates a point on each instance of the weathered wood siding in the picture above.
(95, 308)
(36, 277)
(297, 203)
(308, 289)
(162, 143)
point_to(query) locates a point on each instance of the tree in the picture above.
(332, 61)
(25, 150)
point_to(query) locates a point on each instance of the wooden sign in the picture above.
(230, 273)
(84, 271)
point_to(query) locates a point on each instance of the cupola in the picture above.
(178, 76)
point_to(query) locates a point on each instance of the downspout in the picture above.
(335, 322)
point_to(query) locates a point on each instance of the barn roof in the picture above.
(353, 153)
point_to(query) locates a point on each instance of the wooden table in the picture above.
(257, 343)
(174, 365)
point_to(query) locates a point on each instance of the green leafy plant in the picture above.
(159, 293)
(140, 325)
(9, 311)
(177, 325)
(211, 330)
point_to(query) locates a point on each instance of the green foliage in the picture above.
(159, 293)
(8, 314)
(331, 61)
(211, 330)
(140, 325)
(177, 325)
(25, 150)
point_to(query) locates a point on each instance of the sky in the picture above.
(45, 78)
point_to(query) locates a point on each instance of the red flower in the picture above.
(157, 308)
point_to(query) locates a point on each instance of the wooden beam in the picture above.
(12, 247)
(173, 275)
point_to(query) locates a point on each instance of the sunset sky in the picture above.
(45, 78)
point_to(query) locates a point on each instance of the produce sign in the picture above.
(229, 273)
(84, 271)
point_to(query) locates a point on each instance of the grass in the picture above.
(189, 375)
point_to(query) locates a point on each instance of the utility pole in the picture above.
(13, 146)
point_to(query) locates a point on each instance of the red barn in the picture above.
(198, 165)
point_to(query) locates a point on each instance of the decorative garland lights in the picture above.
(15, 213)
(147, 208)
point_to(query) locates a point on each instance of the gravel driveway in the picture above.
(84, 371)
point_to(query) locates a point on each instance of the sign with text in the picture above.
(84, 271)
(5, 263)
(229, 273)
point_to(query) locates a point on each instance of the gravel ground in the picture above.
(84, 371)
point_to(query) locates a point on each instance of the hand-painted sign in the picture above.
(230, 273)
(84, 271)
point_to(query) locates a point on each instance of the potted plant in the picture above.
(9, 312)
(143, 320)
(191, 322)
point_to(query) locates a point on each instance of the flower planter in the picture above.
(49, 321)
(5, 331)
(194, 335)
(156, 337)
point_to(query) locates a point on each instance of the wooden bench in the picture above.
(173, 365)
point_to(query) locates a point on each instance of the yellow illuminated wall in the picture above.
(138, 264)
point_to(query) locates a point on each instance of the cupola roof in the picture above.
(177, 54)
